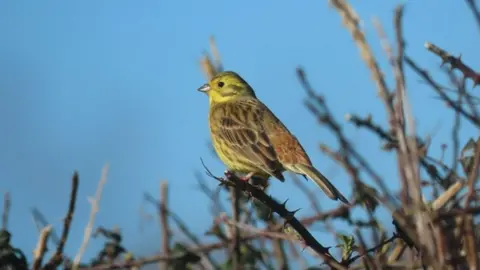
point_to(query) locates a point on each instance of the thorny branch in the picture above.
(438, 89)
(289, 216)
(455, 63)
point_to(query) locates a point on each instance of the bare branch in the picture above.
(94, 202)
(58, 256)
(455, 63)
(438, 89)
(39, 252)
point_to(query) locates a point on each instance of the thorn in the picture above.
(284, 204)
(291, 214)
(294, 211)
(476, 81)
(443, 63)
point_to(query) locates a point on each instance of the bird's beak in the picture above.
(204, 88)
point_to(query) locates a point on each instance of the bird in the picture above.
(250, 140)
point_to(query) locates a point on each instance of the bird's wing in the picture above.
(293, 157)
(240, 126)
(287, 147)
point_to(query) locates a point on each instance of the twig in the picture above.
(392, 143)
(272, 234)
(217, 206)
(455, 62)
(40, 222)
(57, 257)
(308, 193)
(41, 247)
(206, 248)
(367, 259)
(436, 205)
(278, 247)
(324, 116)
(216, 55)
(372, 249)
(440, 92)
(447, 196)
(474, 8)
(164, 222)
(456, 133)
(467, 222)
(235, 248)
(408, 155)
(473, 177)
(184, 229)
(94, 202)
(6, 210)
(211, 68)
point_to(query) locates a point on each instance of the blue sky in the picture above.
(88, 82)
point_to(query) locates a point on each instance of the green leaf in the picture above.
(347, 245)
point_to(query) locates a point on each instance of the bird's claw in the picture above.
(228, 174)
(246, 177)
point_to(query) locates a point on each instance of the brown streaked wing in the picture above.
(287, 147)
(239, 125)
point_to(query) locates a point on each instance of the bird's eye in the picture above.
(220, 84)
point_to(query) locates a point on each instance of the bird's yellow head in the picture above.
(226, 86)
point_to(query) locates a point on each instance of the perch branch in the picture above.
(289, 216)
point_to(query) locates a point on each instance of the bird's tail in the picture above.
(321, 181)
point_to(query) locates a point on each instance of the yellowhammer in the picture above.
(250, 139)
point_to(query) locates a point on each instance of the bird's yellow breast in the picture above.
(230, 157)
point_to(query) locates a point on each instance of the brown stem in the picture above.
(39, 252)
(57, 257)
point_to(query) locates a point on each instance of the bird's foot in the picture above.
(228, 174)
(246, 177)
